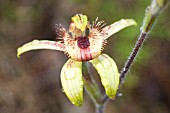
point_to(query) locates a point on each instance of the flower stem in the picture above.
(91, 86)
(92, 89)
(99, 109)
(151, 14)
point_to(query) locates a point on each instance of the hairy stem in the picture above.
(91, 86)
(151, 14)
(99, 109)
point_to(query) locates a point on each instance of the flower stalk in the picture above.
(151, 15)
(92, 89)
(91, 86)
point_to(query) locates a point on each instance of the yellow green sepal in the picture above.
(71, 80)
(42, 44)
(117, 26)
(108, 72)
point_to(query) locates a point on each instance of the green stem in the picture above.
(92, 89)
(151, 14)
(91, 86)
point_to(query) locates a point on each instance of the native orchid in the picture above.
(83, 42)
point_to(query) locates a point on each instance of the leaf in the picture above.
(108, 72)
(43, 44)
(71, 80)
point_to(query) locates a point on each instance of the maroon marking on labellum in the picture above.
(83, 42)
(85, 54)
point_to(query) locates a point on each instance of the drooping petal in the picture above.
(72, 83)
(108, 72)
(43, 44)
(117, 26)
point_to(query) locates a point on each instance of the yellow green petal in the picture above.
(117, 26)
(108, 72)
(43, 44)
(71, 80)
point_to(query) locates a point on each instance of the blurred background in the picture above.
(31, 84)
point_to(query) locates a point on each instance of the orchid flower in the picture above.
(83, 42)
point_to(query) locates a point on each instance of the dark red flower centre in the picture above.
(83, 42)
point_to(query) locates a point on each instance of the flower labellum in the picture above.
(84, 42)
